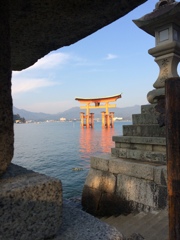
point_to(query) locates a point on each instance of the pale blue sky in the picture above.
(113, 60)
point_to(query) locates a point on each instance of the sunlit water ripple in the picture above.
(55, 148)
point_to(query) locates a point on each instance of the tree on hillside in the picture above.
(17, 118)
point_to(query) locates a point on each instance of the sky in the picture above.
(112, 60)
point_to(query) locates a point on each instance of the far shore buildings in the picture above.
(62, 119)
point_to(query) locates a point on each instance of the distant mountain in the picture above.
(32, 115)
(74, 113)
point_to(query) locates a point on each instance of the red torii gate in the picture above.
(107, 118)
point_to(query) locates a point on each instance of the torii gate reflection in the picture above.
(95, 141)
(107, 118)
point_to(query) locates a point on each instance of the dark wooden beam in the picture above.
(173, 154)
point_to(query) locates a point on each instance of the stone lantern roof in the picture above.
(165, 12)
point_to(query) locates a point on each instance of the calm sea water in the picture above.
(55, 148)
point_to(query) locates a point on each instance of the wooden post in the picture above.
(112, 119)
(103, 120)
(107, 111)
(107, 121)
(87, 115)
(92, 119)
(82, 119)
(172, 89)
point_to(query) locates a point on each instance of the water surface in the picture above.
(55, 148)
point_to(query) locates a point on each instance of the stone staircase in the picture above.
(144, 140)
(151, 226)
(133, 177)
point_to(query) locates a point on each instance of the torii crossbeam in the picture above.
(107, 118)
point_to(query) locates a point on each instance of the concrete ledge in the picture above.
(100, 162)
(30, 205)
(131, 168)
(146, 147)
(144, 119)
(140, 155)
(144, 130)
(142, 170)
(140, 140)
(148, 108)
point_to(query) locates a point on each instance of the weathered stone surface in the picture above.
(140, 140)
(160, 108)
(147, 156)
(104, 181)
(144, 130)
(157, 148)
(30, 205)
(112, 204)
(148, 109)
(79, 225)
(144, 119)
(138, 165)
(146, 147)
(99, 203)
(6, 117)
(160, 175)
(141, 191)
(38, 27)
(100, 162)
(90, 199)
(131, 168)
(135, 236)
(127, 185)
(141, 155)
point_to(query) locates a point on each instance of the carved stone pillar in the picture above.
(6, 116)
(167, 56)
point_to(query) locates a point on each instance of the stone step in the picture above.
(152, 225)
(114, 219)
(136, 224)
(148, 109)
(142, 147)
(138, 119)
(147, 156)
(156, 226)
(162, 231)
(139, 140)
(144, 130)
(131, 222)
(148, 171)
(109, 220)
(121, 219)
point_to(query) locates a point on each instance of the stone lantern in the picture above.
(164, 24)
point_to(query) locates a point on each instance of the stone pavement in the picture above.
(79, 225)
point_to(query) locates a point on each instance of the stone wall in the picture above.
(115, 186)
(133, 177)
(6, 116)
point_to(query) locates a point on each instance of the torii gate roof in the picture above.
(112, 98)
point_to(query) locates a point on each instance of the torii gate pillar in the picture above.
(107, 120)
